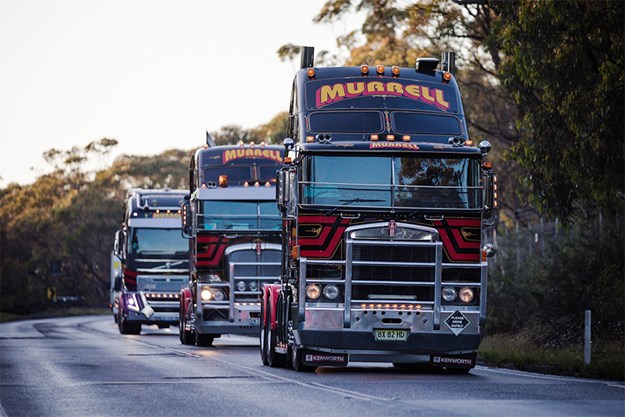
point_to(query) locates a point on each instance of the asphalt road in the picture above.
(82, 366)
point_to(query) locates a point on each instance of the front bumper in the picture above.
(244, 319)
(325, 331)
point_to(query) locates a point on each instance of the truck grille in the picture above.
(250, 268)
(393, 271)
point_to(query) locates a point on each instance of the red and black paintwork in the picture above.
(320, 236)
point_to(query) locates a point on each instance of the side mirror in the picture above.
(282, 188)
(186, 219)
(489, 183)
(117, 285)
(119, 244)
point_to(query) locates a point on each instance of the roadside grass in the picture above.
(518, 352)
(55, 312)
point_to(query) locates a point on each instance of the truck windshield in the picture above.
(159, 242)
(392, 182)
(239, 215)
(368, 122)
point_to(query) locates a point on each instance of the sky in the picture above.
(152, 74)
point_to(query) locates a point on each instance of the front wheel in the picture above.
(186, 336)
(204, 339)
(274, 359)
(263, 337)
(125, 327)
(297, 362)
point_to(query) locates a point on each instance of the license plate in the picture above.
(254, 321)
(391, 334)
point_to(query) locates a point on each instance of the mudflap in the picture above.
(313, 358)
(464, 361)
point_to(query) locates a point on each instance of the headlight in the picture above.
(132, 302)
(206, 294)
(331, 292)
(241, 286)
(218, 295)
(466, 294)
(253, 286)
(313, 291)
(449, 294)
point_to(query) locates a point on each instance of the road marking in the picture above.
(560, 378)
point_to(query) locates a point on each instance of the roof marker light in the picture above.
(446, 77)
(310, 139)
(310, 72)
(395, 71)
(246, 184)
(374, 137)
(364, 70)
(380, 69)
(390, 138)
(406, 138)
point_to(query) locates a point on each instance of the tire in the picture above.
(204, 340)
(264, 337)
(274, 359)
(127, 328)
(297, 363)
(186, 337)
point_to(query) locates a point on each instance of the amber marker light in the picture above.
(295, 252)
(364, 70)
(446, 77)
(487, 165)
(380, 69)
(468, 142)
(374, 137)
(395, 71)
(390, 138)
(406, 138)
(310, 72)
(223, 181)
(310, 139)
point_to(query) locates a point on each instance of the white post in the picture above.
(587, 337)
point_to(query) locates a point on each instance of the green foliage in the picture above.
(547, 290)
(565, 67)
(68, 218)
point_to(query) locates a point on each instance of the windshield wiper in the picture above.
(353, 200)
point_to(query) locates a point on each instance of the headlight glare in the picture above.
(331, 292)
(206, 294)
(313, 291)
(466, 294)
(449, 294)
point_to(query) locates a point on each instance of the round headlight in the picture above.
(205, 294)
(449, 294)
(313, 291)
(218, 295)
(466, 295)
(241, 286)
(331, 292)
(253, 286)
